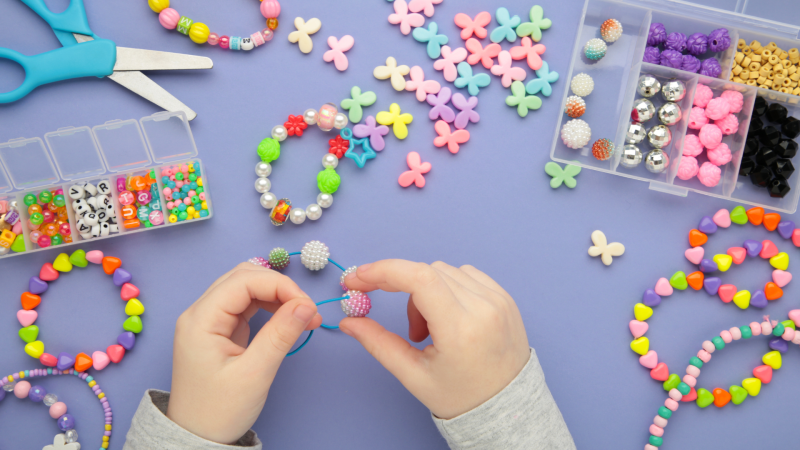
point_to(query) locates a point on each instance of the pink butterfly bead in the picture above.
(448, 137)
(404, 19)
(504, 70)
(336, 53)
(481, 54)
(415, 175)
(447, 64)
(531, 52)
(420, 85)
(470, 27)
(426, 6)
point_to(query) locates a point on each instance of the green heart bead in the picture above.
(704, 398)
(78, 258)
(29, 334)
(19, 244)
(789, 324)
(739, 215)
(678, 281)
(133, 324)
(738, 394)
(664, 412)
(697, 362)
(747, 333)
(672, 382)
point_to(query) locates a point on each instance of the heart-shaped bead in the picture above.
(704, 398)
(721, 397)
(742, 299)
(772, 291)
(708, 266)
(786, 229)
(771, 221)
(36, 285)
(134, 307)
(62, 263)
(115, 353)
(34, 349)
(110, 264)
(128, 291)
(29, 301)
(753, 385)
(794, 316)
(48, 273)
(27, 318)
(695, 280)
(639, 345)
(753, 247)
(768, 249)
(723, 262)
(678, 281)
(83, 362)
(649, 359)
(132, 324)
(95, 257)
(796, 237)
(660, 372)
(738, 394)
(780, 261)
(738, 254)
(778, 344)
(758, 300)
(29, 333)
(690, 397)
(663, 288)
(723, 218)
(671, 382)
(697, 238)
(48, 360)
(121, 276)
(712, 285)
(726, 292)
(100, 360)
(763, 373)
(739, 215)
(707, 225)
(65, 361)
(773, 359)
(642, 312)
(755, 215)
(127, 340)
(638, 328)
(650, 298)
(19, 244)
(695, 255)
(78, 258)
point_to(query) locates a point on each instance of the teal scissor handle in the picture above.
(93, 58)
(71, 20)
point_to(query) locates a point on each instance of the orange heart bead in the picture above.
(110, 264)
(756, 215)
(721, 396)
(30, 301)
(771, 221)
(83, 362)
(695, 280)
(697, 238)
(772, 291)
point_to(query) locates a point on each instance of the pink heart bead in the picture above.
(768, 249)
(129, 291)
(726, 292)
(794, 315)
(26, 318)
(650, 359)
(781, 277)
(95, 257)
(796, 237)
(100, 360)
(663, 288)
(722, 218)
(738, 254)
(695, 255)
(638, 328)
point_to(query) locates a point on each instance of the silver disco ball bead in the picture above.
(631, 156)
(659, 136)
(669, 113)
(643, 110)
(656, 161)
(673, 90)
(648, 86)
(636, 133)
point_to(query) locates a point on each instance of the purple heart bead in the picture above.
(753, 247)
(707, 225)
(708, 265)
(650, 298)
(65, 361)
(712, 285)
(36, 285)
(778, 344)
(126, 340)
(121, 276)
(786, 228)
(758, 300)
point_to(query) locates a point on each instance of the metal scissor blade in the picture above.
(147, 88)
(138, 59)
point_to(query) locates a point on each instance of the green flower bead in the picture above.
(697, 362)
(718, 342)
(328, 181)
(747, 333)
(269, 150)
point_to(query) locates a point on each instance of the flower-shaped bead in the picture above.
(505, 71)
(537, 24)
(688, 167)
(542, 84)
(603, 249)
(449, 138)
(357, 102)
(295, 125)
(304, 30)
(338, 146)
(418, 84)
(697, 118)
(439, 106)
(728, 124)
(473, 82)
(523, 102)
(507, 26)
(336, 53)
(404, 19)
(425, 6)
(448, 62)
(692, 145)
(416, 174)
(432, 37)
(530, 52)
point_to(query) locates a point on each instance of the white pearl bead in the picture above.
(330, 160)
(269, 200)
(325, 200)
(340, 121)
(279, 133)
(263, 169)
(263, 185)
(313, 212)
(310, 116)
(298, 216)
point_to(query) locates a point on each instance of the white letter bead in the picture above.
(114, 228)
(90, 189)
(83, 228)
(102, 216)
(91, 219)
(103, 187)
(104, 229)
(83, 208)
(92, 201)
(95, 230)
(86, 236)
(76, 192)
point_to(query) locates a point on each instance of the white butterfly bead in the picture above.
(60, 443)
(304, 29)
(602, 247)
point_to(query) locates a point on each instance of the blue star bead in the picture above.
(367, 152)
(542, 84)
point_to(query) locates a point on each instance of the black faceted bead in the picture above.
(776, 113)
(766, 156)
(782, 168)
(755, 126)
(760, 107)
(791, 128)
(750, 147)
(786, 148)
(770, 136)
(778, 188)
(760, 176)
(747, 166)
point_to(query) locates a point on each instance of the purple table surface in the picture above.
(490, 205)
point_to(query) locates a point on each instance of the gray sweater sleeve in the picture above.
(524, 415)
(151, 429)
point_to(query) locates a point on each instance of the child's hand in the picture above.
(219, 383)
(479, 341)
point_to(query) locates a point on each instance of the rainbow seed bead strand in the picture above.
(17, 383)
(199, 32)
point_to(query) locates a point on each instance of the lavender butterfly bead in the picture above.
(467, 113)
(373, 132)
(440, 108)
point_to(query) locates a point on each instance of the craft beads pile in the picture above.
(768, 67)
(675, 44)
(47, 218)
(11, 237)
(141, 204)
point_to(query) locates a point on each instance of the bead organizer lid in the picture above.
(169, 136)
(122, 144)
(5, 184)
(75, 153)
(27, 163)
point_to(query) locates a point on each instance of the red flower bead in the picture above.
(295, 125)
(338, 146)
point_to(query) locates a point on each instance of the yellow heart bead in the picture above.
(780, 261)
(773, 359)
(742, 299)
(134, 307)
(35, 349)
(641, 345)
(723, 262)
(642, 312)
(752, 386)
(62, 263)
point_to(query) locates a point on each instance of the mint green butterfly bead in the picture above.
(521, 101)
(432, 37)
(473, 83)
(562, 176)
(535, 26)
(358, 101)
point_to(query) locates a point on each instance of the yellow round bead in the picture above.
(199, 32)
(172, 218)
(108, 427)
(196, 215)
(158, 5)
(190, 210)
(204, 205)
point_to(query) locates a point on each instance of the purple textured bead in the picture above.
(657, 34)
(676, 41)
(66, 422)
(690, 64)
(708, 265)
(126, 340)
(719, 40)
(710, 68)
(671, 58)
(121, 276)
(758, 300)
(753, 247)
(65, 361)
(778, 344)
(711, 285)
(36, 285)
(697, 44)
(37, 393)
(652, 55)
(650, 298)
(707, 225)
(786, 228)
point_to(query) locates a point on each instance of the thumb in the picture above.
(280, 333)
(392, 351)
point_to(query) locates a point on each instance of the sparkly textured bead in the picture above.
(259, 261)
(50, 399)
(66, 422)
(576, 133)
(611, 30)
(314, 255)
(279, 258)
(582, 85)
(358, 305)
(595, 49)
(71, 436)
(575, 106)
(37, 393)
(603, 149)
(347, 272)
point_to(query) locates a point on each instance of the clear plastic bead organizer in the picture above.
(608, 107)
(103, 154)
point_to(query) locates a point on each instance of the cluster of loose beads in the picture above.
(50, 272)
(11, 237)
(139, 200)
(327, 118)
(184, 192)
(767, 66)
(95, 215)
(18, 384)
(200, 34)
(47, 218)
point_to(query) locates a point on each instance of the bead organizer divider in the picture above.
(104, 153)
(616, 75)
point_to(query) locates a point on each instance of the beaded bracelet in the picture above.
(18, 384)
(315, 256)
(200, 34)
(49, 273)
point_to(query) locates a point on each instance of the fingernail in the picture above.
(304, 313)
(364, 268)
(346, 331)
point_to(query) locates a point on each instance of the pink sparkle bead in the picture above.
(736, 333)
(656, 430)
(688, 167)
(690, 380)
(213, 39)
(709, 174)
(788, 334)
(35, 235)
(675, 394)
(702, 95)
(710, 135)
(728, 124)
(671, 404)
(755, 328)
(224, 42)
(268, 34)
(169, 18)
(704, 356)
(718, 108)
(726, 336)
(660, 421)
(59, 192)
(709, 346)
(693, 371)
(64, 229)
(766, 328)
(358, 305)
(58, 410)
(735, 100)
(44, 241)
(33, 226)
(22, 388)
(697, 118)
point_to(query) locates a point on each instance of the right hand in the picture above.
(479, 341)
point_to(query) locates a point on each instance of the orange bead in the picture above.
(34, 208)
(83, 362)
(695, 280)
(128, 212)
(771, 221)
(29, 301)
(110, 264)
(131, 223)
(721, 397)
(772, 291)
(697, 238)
(137, 183)
(68, 239)
(148, 181)
(756, 215)
(51, 229)
(62, 217)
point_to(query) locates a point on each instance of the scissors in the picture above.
(84, 54)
